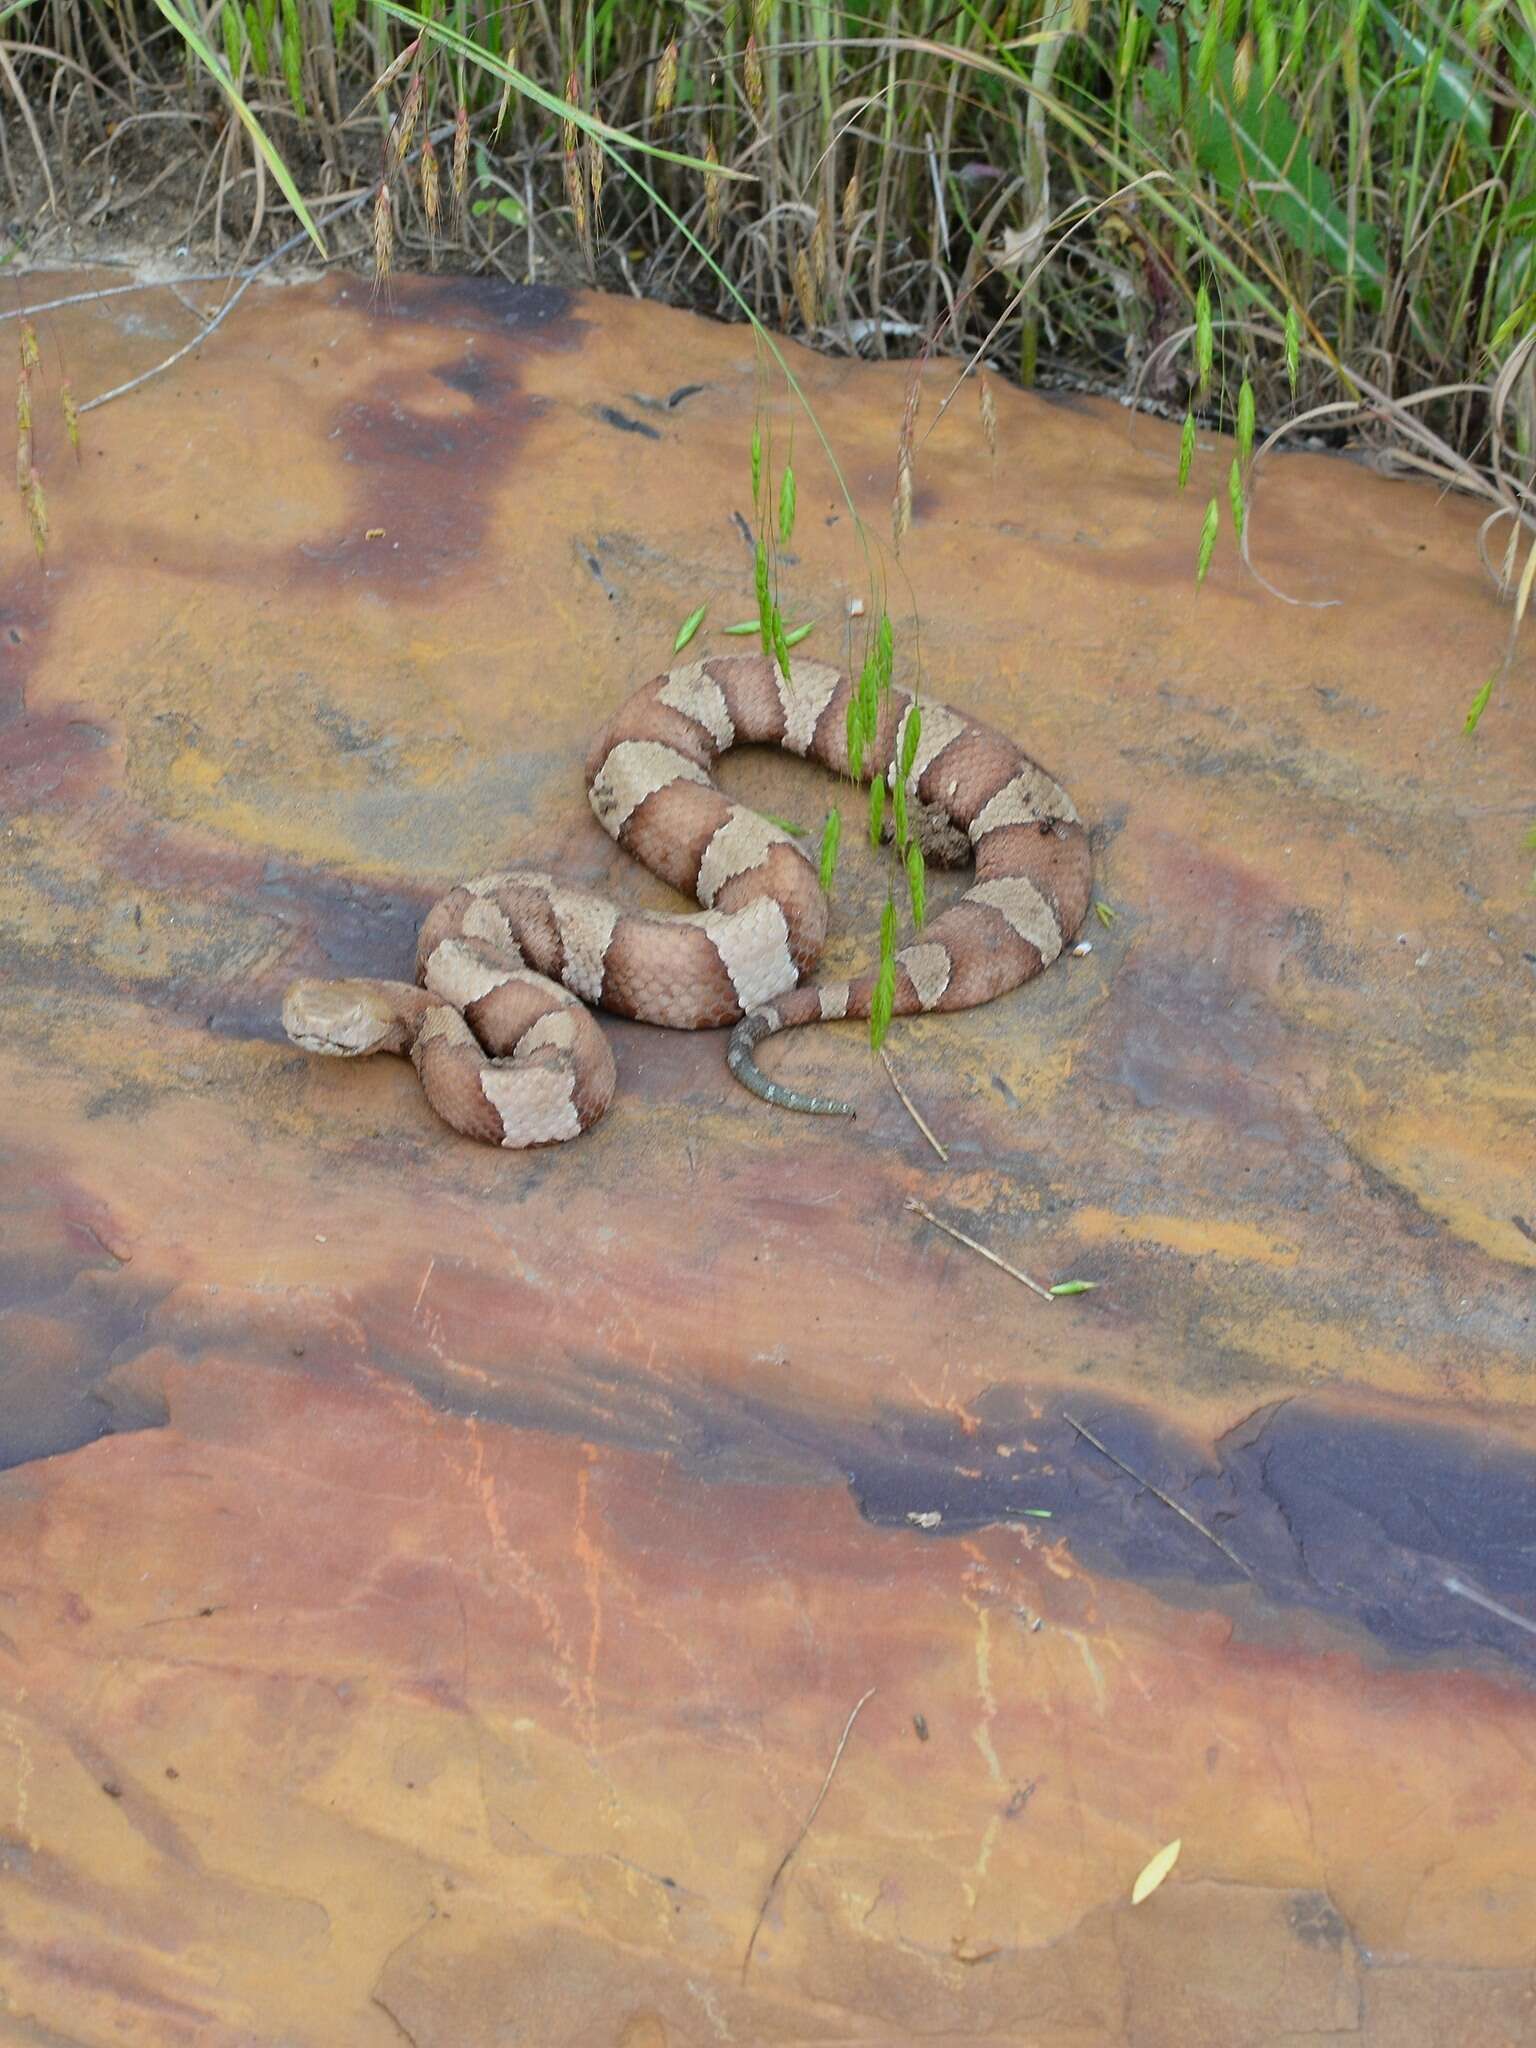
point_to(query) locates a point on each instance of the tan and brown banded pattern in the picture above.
(496, 1025)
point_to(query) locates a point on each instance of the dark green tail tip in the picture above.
(745, 1039)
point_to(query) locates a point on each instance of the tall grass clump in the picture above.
(1268, 215)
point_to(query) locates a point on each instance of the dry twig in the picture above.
(1167, 1499)
(805, 1828)
(908, 1105)
(960, 1238)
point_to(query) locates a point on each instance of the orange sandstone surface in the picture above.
(437, 1583)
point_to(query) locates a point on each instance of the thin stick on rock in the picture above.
(910, 1107)
(805, 1828)
(246, 279)
(1166, 1498)
(960, 1238)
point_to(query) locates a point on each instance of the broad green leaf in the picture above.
(1454, 95)
(1259, 142)
(510, 210)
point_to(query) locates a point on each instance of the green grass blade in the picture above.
(200, 49)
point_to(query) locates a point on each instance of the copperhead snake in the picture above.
(496, 1023)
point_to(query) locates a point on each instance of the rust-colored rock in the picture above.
(439, 1581)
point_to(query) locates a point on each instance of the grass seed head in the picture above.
(752, 74)
(901, 504)
(1209, 49)
(37, 514)
(1205, 339)
(805, 288)
(460, 169)
(988, 405)
(410, 114)
(780, 644)
(850, 203)
(29, 355)
(855, 737)
(917, 884)
(575, 174)
(391, 71)
(71, 416)
(569, 130)
(1207, 541)
(820, 237)
(383, 234)
(666, 78)
(831, 835)
(431, 185)
(596, 165)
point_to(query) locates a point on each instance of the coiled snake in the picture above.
(495, 1023)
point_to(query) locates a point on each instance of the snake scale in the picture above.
(496, 1022)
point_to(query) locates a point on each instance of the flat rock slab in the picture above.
(440, 1584)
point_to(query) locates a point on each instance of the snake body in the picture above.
(495, 1023)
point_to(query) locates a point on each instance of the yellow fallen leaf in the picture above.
(1155, 1872)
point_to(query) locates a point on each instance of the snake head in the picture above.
(343, 1018)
